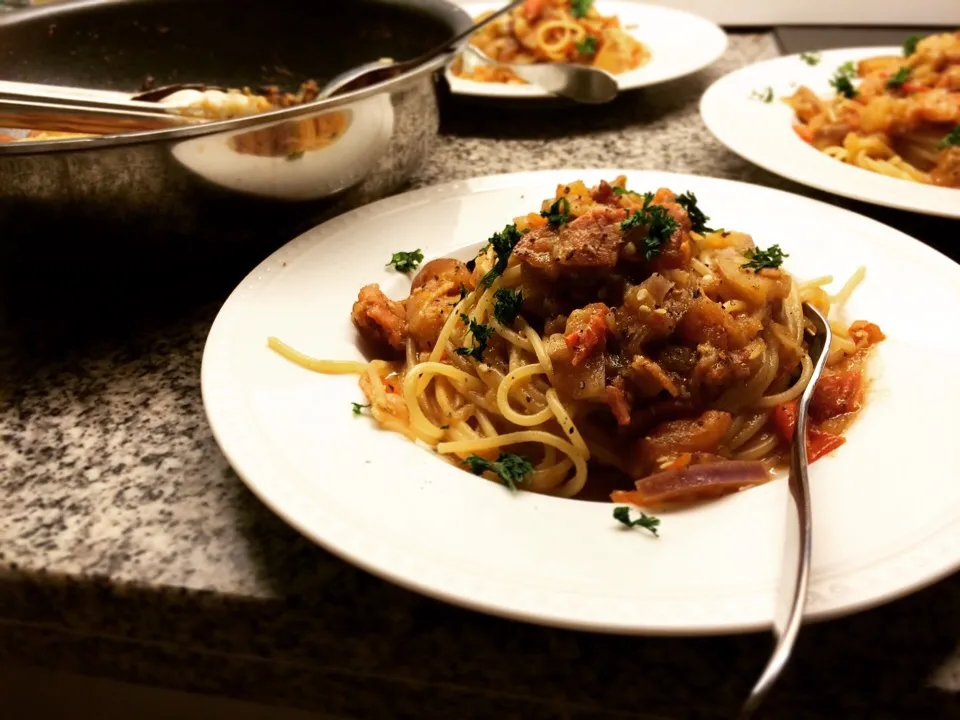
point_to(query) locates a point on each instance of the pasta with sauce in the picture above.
(901, 120)
(557, 31)
(611, 335)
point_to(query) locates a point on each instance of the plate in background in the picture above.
(762, 132)
(679, 44)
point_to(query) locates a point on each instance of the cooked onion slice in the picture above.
(694, 483)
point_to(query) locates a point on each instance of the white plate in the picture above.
(679, 43)
(886, 504)
(763, 133)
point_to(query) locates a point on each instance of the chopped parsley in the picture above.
(898, 78)
(758, 259)
(617, 190)
(588, 46)
(358, 408)
(559, 212)
(698, 221)
(952, 139)
(842, 80)
(503, 243)
(580, 8)
(480, 333)
(763, 95)
(406, 261)
(648, 522)
(658, 221)
(506, 305)
(910, 46)
(511, 468)
(810, 58)
(295, 155)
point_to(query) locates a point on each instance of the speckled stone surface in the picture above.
(129, 548)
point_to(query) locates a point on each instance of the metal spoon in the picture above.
(795, 575)
(581, 83)
(373, 72)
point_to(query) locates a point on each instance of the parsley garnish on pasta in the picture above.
(506, 305)
(406, 261)
(648, 522)
(758, 259)
(510, 467)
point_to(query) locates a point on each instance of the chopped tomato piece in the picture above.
(586, 339)
(617, 401)
(533, 8)
(866, 333)
(836, 394)
(804, 132)
(912, 87)
(819, 443)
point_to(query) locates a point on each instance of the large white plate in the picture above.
(763, 133)
(679, 43)
(886, 504)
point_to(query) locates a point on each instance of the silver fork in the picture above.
(795, 574)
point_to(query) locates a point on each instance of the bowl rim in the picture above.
(456, 13)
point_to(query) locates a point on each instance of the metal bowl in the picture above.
(227, 183)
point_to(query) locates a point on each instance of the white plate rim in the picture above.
(937, 556)
(762, 133)
(713, 46)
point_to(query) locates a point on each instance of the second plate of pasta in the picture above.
(881, 125)
(638, 44)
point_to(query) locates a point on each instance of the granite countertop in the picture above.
(129, 548)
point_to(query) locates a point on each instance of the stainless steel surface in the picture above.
(795, 575)
(580, 83)
(386, 69)
(253, 180)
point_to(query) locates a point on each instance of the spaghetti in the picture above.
(553, 31)
(902, 119)
(609, 335)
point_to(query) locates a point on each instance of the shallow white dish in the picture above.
(763, 132)
(680, 44)
(886, 505)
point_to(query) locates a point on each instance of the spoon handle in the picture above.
(450, 45)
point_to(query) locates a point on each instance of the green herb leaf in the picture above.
(559, 212)
(659, 223)
(511, 468)
(951, 140)
(406, 261)
(506, 305)
(758, 259)
(358, 408)
(588, 46)
(811, 58)
(763, 95)
(295, 155)
(842, 80)
(898, 78)
(648, 522)
(910, 46)
(580, 8)
(617, 190)
(698, 221)
(503, 243)
(481, 335)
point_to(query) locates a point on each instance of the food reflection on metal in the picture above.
(294, 138)
(303, 159)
